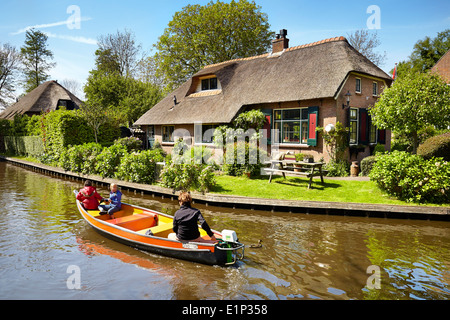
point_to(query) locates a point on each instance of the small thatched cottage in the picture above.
(298, 88)
(48, 96)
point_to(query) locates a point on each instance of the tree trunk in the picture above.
(415, 142)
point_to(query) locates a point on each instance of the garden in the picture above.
(398, 177)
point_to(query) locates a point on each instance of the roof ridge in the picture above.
(334, 39)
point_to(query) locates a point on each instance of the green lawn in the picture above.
(294, 188)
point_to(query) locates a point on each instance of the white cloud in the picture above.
(72, 38)
(46, 25)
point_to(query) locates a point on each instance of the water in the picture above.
(303, 256)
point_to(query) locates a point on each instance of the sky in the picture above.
(73, 27)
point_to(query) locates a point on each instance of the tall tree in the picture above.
(201, 35)
(118, 52)
(415, 101)
(365, 42)
(35, 59)
(9, 67)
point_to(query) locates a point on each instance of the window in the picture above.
(372, 134)
(167, 133)
(204, 133)
(353, 126)
(358, 85)
(209, 84)
(292, 125)
(375, 89)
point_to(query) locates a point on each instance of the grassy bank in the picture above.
(294, 188)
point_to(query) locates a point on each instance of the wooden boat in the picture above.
(148, 230)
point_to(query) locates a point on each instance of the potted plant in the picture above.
(308, 158)
(298, 157)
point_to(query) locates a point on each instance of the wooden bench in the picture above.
(308, 170)
(162, 230)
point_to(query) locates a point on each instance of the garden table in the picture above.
(306, 169)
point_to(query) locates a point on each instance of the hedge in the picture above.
(24, 146)
(437, 146)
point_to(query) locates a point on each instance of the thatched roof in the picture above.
(305, 72)
(43, 98)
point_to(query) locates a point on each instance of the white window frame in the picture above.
(197, 132)
(375, 86)
(360, 85)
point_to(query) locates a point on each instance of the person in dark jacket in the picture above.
(89, 197)
(185, 222)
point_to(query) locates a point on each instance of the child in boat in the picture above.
(185, 222)
(115, 202)
(89, 197)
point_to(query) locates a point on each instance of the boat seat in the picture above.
(136, 222)
(162, 230)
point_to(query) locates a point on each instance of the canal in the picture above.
(44, 242)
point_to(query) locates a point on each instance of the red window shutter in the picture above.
(313, 117)
(363, 127)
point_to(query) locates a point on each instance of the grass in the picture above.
(294, 188)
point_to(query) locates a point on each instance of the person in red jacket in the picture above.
(89, 197)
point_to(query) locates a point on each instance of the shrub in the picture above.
(80, 158)
(246, 158)
(188, 176)
(438, 146)
(109, 160)
(340, 168)
(367, 165)
(379, 149)
(139, 167)
(412, 178)
(131, 143)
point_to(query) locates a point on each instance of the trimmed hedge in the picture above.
(437, 146)
(24, 146)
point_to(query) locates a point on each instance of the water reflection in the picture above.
(302, 257)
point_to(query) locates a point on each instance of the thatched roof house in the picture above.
(47, 97)
(306, 79)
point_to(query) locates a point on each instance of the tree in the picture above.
(426, 54)
(95, 116)
(201, 35)
(365, 43)
(126, 99)
(414, 101)
(9, 67)
(35, 56)
(118, 52)
(73, 86)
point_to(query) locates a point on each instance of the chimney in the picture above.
(281, 42)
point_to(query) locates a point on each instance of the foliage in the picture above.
(35, 56)
(299, 157)
(336, 141)
(201, 35)
(24, 146)
(245, 158)
(188, 176)
(80, 158)
(425, 54)
(414, 102)
(253, 119)
(5, 127)
(139, 167)
(339, 168)
(379, 149)
(412, 178)
(95, 116)
(130, 143)
(367, 165)
(125, 99)
(437, 146)
(109, 159)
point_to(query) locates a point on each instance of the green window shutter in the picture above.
(363, 127)
(313, 118)
(268, 124)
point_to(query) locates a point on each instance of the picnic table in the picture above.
(305, 169)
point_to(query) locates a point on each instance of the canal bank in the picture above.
(273, 205)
